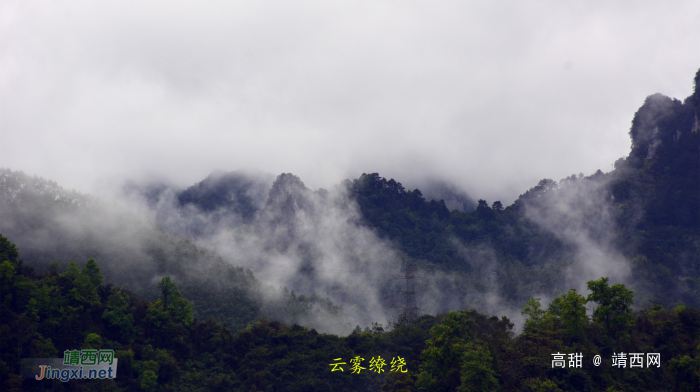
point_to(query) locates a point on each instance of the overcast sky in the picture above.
(492, 96)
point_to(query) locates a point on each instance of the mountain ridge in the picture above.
(637, 223)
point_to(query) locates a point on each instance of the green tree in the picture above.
(498, 206)
(444, 357)
(613, 310)
(72, 271)
(477, 370)
(571, 308)
(398, 382)
(92, 340)
(117, 313)
(92, 271)
(534, 312)
(7, 274)
(84, 293)
(43, 347)
(686, 372)
(149, 381)
(172, 302)
(8, 250)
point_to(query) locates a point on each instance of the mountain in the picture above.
(54, 225)
(223, 200)
(453, 196)
(160, 347)
(637, 224)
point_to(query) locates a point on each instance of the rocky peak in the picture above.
(288, 209)
(286, 188)
(645, 130)
(659, 126)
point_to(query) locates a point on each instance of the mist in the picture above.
(304, 242)
(298, 240)
(134, 103)
(490, 96)
(316, 242)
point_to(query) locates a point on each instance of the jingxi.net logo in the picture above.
(76, 364)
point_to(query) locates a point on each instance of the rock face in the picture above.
(645, 132)
(666, 159)
(664, 127)
(288, 210)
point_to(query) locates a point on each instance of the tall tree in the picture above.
(172, 301)
(534, 312)
(614, 303)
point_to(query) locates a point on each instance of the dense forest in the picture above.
(161, 347)
(225, 285)
(649, 205)
(59, 226)
(647, 209)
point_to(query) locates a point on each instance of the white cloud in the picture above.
(490, 95)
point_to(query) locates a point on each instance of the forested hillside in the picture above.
(59, 226)
(260, 267)
(642, 219)
(639, 223)
(161, 347)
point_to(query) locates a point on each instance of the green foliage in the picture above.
(8, 250)
(455, 351)
(177, 355)
(92, 340)
(543, 386)
(84, 292)
(445, 356)
(477, 370)
(117, 313)
(173, 303)
(686, 370)
(398, 382)
(570, 308)
(149, 381)
(652, 195)
(72, 272)
(614, 306)
(92, 271)
(42, 347)
(141, 252)
(7, 273)
(534, 313)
